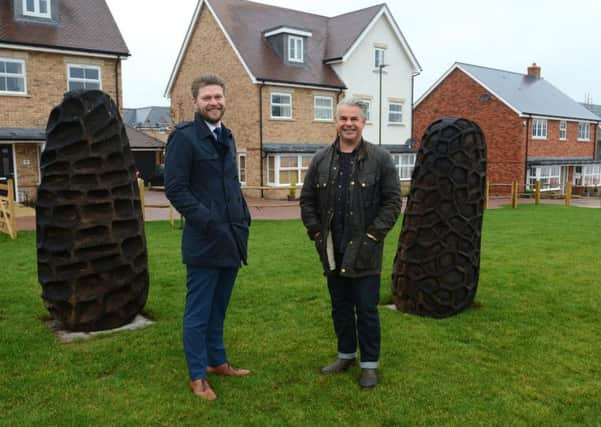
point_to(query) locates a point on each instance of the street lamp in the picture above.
(380, 68)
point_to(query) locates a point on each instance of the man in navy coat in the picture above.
(201, 182)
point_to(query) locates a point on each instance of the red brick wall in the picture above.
(459, 96)
(553, 147)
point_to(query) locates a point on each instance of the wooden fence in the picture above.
(8, 222)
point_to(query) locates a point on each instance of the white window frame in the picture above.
(404, 163)
(272, 104)
(390, 113)
(546, 175)
(23, 75)
(295, 49)
(539, 128)
(242, 170)
(277, 168)
(329, 109)
(379, 55)
(584, 131)
(589, 176)
(84, 80)
(563, 130)
(36, 9)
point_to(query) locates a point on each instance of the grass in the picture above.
(529, 355)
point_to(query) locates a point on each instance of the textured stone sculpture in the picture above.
(437, 265)
(92, 260)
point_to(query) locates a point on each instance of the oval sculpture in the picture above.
(92, 260)
(437, 265)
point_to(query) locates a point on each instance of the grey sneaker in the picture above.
(369, 378)
(339, 365)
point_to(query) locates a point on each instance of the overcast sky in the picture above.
(563, 37)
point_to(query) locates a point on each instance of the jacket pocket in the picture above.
(369, 255)
(367, 187)
(241, 237)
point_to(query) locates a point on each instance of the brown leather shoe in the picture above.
(203, 389)
(227, 369)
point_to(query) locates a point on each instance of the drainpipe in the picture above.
(117, 62)
(527, 141)
(261, 159)
(411, 105)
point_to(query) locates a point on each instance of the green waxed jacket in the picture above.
(374, 200)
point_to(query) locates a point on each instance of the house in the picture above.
(48, 47)
(148, 155)
(533, 130)
(285, 72)
(153, 121)
(596, 109)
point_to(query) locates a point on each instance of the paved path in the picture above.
(278, 209)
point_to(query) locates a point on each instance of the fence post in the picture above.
(537, 193)
(568, 194)
(141, 189)
(514, 194)
(486, 193)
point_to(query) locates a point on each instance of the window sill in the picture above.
(396, 124)
(17, 95)
(377, 71)
(282, 119)
(539, 138)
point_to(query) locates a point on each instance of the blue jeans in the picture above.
(209, 291)
(355, 309)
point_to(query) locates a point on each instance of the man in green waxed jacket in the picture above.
(350, 199)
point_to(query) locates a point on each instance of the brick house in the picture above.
(48, 47)
(533, 130)
(285, 71)
(148, 154)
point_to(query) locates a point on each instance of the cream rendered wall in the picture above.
(362, 79)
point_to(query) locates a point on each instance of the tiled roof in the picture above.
(139, 140)
(147, 117)
(594, 108)
(85, 25)
(528, 94)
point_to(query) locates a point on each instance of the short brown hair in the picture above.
(206, 80)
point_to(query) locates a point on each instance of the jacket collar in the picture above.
(361, 149)
(202, 130)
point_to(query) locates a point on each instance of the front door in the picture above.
(7, 170)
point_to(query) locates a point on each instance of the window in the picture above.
(83, 77)
(563, 130)
(12, 76)
(242, 168)
(323, 108)
(404, 164)
(295, 49)
(378, 57)
(37, 8)
(366, 105)
(395, 112)
(283, 169)
(281, 106)
(588, 175)
(539, 128)
(584, 131)
(549, 177)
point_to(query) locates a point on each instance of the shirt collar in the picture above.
(212, 126)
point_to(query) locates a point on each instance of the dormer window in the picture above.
(295, 49)
(37, 8)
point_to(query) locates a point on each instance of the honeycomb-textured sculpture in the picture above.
(92, 260)
(437, 265)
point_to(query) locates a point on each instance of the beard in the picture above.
(212, 119)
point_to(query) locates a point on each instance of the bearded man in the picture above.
(201, 182)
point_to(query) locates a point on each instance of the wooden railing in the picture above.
(8, 222)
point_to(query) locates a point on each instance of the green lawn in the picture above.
(529, 355)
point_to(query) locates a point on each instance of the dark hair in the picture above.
(206, 80)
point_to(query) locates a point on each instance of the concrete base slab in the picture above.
(64, 335)
(391, 307)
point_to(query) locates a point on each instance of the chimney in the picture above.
(534, 70)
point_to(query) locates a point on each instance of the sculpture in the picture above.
(92, 259)
(437, 265)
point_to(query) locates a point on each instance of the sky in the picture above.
(563, 38)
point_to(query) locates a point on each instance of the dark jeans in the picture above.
(209, 291)
(355, 302)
